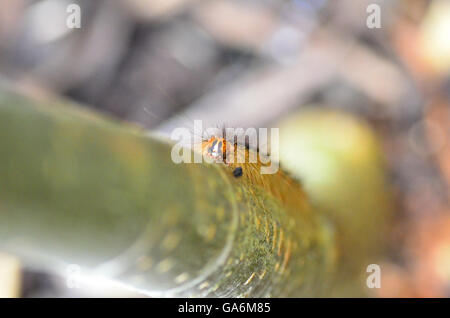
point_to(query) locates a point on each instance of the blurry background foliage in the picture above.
(164, 63)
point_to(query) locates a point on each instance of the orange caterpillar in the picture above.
(279, 184)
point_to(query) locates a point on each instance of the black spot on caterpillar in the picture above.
(237, 172)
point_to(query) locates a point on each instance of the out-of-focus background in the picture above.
(251, 63)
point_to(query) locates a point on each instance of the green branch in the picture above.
(76, 188)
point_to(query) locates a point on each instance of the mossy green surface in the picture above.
(76, 188)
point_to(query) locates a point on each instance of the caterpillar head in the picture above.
(216, 148)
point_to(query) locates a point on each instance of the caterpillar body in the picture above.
(280, 184)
